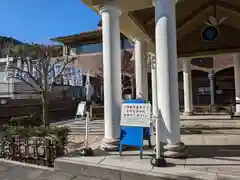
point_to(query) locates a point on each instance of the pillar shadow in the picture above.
(227, 153)
(210, 130)
(212, 151)
(190, 131)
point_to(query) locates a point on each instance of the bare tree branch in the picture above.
(19, 77)
(41, 57)
(55, 63)
(29, 75)
(66, 62)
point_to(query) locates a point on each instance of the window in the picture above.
(95, 48)
(89, 48)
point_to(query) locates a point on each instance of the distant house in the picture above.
(88, 47)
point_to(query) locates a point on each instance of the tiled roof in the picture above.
(81, 37)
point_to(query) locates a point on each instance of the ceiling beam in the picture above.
(221, 4)
(126, 5)
(141, 25)
(212, 52)
(195, 13)
(229, 7)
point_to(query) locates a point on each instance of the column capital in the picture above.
(185, 58)
(154, 2)
(211, 75)
(138, 39)
(235, 55)
(110, 7)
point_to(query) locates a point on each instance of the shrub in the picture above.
(25, 121)
(30, 126)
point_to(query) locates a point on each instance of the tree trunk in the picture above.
(45, 108)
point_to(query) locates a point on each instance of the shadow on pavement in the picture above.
(211, 151)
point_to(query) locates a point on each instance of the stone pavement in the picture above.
(19, 171)
(214, 146)
(96, 127)
(214, 149)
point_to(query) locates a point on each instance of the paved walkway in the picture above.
(214, 146)
(20, 171)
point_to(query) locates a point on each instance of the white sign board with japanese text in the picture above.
(138, 115)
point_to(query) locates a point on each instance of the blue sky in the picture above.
(39, 20)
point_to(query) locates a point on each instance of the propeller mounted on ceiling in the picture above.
(212, 21)
(211, 31)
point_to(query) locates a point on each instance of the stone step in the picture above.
(91, 133)
(83, 127)
(78, 124)
(89, 130)
(79, 127)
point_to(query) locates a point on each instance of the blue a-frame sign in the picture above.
(134, 135)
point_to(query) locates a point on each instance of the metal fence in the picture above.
(39, 151)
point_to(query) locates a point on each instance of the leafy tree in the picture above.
(5, 43)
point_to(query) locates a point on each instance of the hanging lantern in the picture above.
(210, 33)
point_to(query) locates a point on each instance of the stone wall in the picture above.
(58, 109)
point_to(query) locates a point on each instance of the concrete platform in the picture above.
(212, 157)
(206, 116)
(214, 154)
(130, 167)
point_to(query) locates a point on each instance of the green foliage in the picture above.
(35, 51)
(23, 50)
(25, 121)
(30, 126)
(5, 40)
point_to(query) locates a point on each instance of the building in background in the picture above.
(88, 47)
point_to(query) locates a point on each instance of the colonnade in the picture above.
(165, 76)
(165, 100)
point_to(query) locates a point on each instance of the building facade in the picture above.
(88, 46)
(166, 31)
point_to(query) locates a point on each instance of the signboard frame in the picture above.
(136, 115)
(133, 133)
(81, 109)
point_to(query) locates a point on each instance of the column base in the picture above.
(178, 150)
(162, 144)
(213, 109)
(109, 145)
(158, 162)
(237, 114)
(187, 113)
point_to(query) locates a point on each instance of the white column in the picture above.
(141, 68)
(187, 87)
(167, 75)
(236, 62)
(112, 75)
(155, 110)
(154, 87)
(145, 72)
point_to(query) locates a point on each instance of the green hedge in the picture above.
(30, 126)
